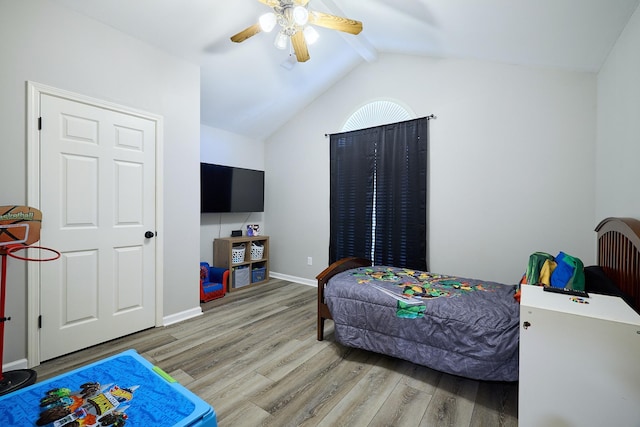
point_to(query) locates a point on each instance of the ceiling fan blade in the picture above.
(335, 22)
(274, 3)
(246, 33)
(300, 46)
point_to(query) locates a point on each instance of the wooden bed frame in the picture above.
(323, 278)
(618, 255)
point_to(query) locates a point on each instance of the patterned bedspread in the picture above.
(457, 325)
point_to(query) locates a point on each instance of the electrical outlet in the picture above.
(309, 260)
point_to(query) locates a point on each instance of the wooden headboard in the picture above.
(619, 254)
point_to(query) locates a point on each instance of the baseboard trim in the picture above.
(12, 366)
(166, 321)
(183, 315)
(295, 279)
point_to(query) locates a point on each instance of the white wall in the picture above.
(618, 148)
(45, 43)
(512, 166)
(225, 148)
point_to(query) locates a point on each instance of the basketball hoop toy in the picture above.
(10, 250)
(19, 228)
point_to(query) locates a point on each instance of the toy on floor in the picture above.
(93, 405)
(213, 282)
(103, 394)
(19, 229)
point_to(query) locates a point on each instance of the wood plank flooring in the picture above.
(253, 355)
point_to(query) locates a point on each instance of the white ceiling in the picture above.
(251, 89)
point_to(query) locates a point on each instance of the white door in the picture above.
(97, 189)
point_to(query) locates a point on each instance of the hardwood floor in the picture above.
(253, 355)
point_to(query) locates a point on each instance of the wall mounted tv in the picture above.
(230, 189)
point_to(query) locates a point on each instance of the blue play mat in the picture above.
(157, 400)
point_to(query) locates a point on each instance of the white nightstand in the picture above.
(579, 363)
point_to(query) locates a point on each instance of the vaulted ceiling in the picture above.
(252, 88)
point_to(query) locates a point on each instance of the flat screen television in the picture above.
(230, 189)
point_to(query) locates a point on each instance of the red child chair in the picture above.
(213, 282)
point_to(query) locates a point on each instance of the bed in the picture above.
(465, 327)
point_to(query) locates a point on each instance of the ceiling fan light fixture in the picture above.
(300, 15)
(295, 23)
(281, 41)
(310, 35)
(268, 22)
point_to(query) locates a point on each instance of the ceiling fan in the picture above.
(295, 21)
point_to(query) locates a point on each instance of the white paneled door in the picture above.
(97, 190)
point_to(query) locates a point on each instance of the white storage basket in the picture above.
(237, 254)
(257, 251)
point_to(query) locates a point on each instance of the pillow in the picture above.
(204, 272)
(597, 282)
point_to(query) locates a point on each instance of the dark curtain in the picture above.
(352, 157)
(379, 188)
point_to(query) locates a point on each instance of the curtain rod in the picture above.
(429, 117)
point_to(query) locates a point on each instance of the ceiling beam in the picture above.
(359, 43)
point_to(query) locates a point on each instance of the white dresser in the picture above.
(579, 363)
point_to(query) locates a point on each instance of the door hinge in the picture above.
(40, 322)
(39, 123)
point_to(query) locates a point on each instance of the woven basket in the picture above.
(237, 254)
(257, 251)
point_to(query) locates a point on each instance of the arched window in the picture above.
(377, 113)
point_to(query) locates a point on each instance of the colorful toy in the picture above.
(19, 228)
(92, 405)
(100, 395)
